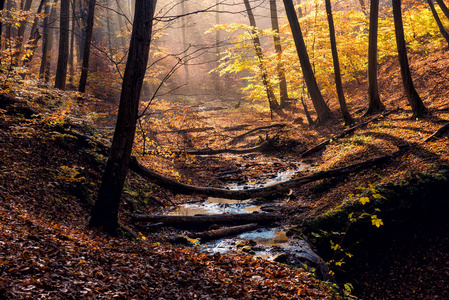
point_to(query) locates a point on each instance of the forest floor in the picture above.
(49, 179)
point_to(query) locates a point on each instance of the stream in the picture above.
(270, 243)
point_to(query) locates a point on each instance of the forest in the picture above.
(194, 149)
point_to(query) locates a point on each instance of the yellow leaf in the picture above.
(364, 200)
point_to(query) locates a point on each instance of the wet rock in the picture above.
(280, 258)
(248, 249)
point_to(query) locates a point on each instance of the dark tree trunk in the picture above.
(34, 34)
(47, 42)
(277, 46)
(87, 42)
(321, 108)
(443, 8)
(82, 35)
(2, 5)
(63, 53)
(414, 99)
(21, 32)
(443, 31)
(274, 106)
(375, 104)
(72, 45)
(338, 84)
(105, 211)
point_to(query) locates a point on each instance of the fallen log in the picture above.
(207, 219)
(241, 136)
(259, 148)
(341, 135)
(223, 232)
(282, 187)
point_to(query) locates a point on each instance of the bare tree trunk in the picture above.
(72, 46)
(375, 104)
(34, 34)
(274, 106)
(277, 45)
(63, 53)
(341, 96)
(105, 211)
(21, 32)
(443, 31)
(87, 42)
(414, 99)
(2, 5)
(321, 108)
(443, 8)
(184, 40)
(47, 42)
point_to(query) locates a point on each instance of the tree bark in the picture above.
(413, 97)
(47, 42)
(278, 47)
(375, 104)
(21, 32)
(443, 7)
(337, 73)
(2, 6)
(321, 108)
(63, 53)
(105, 211)
(87, 43)
(443, 31)
(274, 106)
(34, 37)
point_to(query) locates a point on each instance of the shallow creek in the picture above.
(268, 243)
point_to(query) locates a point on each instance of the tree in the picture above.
(277, 46)
(63, 53)
(321, 108)
(274, 106)
(47, 42)
(34, 34)
(375, 104)
(443, 31)
(105, 211)
(87, 42)
(413, 97)
(341, 96)
(21, 31)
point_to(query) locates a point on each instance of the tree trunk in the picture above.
(375, 104)
(341, 96)
(21, 32)
(105, 211)
(321, 108)
(63, 53)
(277, 46)
(414, 99)
(34, 34)
(274, 106)
(223, 232)
(443, 8)
(2, 6)
(72, 46)
(87, 42)
(47, 42)
(443, 31)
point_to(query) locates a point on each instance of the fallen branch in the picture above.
(341, 135)
(186, 189)
(259, 148)
(207, 219)
(442, 130)
(241, 136)
(223, 232)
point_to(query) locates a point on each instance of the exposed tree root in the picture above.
(223, 232)
(442, 130)
(186, 189)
